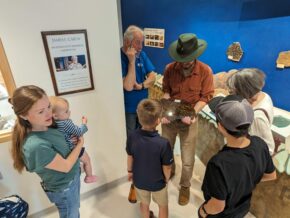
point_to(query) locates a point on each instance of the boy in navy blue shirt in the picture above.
(149, 159)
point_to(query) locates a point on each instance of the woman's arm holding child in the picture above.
(65, 165)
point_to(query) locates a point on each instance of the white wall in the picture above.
(120, 21)
(20, 25)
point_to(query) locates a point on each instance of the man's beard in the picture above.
(186, 71)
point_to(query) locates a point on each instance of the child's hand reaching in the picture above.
(84, 120)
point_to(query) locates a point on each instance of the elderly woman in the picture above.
(248, 83)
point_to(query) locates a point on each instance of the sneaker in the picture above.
(90, 179)
(184, 195)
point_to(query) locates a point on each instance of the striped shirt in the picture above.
(70, 130)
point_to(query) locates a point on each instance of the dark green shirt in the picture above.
(39, 149)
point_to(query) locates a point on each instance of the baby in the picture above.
(61, 115)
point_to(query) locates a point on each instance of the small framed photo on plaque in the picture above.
(69, 61)
(154, 37)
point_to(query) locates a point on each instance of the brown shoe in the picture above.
(151, 214)
(184, 195)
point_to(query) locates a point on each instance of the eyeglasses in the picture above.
(136, 42)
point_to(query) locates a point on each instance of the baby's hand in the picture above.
(74, 140)
(84, 120)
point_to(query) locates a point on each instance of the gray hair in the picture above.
(129, 33)
(246, 82)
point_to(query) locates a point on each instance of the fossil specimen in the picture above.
(175, 110)
(283, 59)
(235, 52)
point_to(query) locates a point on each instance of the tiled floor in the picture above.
(114, 204)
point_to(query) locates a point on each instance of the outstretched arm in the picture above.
(150, 80)
(75, 130)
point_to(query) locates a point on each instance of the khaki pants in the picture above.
(188, 135)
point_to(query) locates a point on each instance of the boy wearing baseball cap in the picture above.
(232, 174)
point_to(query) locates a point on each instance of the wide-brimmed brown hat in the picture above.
(187, 48)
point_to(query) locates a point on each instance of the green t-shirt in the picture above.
(39, 149)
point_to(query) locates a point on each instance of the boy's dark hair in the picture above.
(148, 111)
(243, 131)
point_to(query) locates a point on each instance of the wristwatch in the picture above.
(143, 87)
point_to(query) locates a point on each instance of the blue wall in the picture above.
(261, 26)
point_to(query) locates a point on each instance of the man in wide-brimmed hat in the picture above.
(186, 79)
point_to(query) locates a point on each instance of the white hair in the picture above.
(246, 82)
(129, 33)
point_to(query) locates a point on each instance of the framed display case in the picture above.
(7, 86)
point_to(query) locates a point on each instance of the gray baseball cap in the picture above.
(232, 112)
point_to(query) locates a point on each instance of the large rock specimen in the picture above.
(283, 60)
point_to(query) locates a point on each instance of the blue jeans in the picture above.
(132, 122)
(68, 200)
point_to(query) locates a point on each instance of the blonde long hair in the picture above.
(22, 100)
